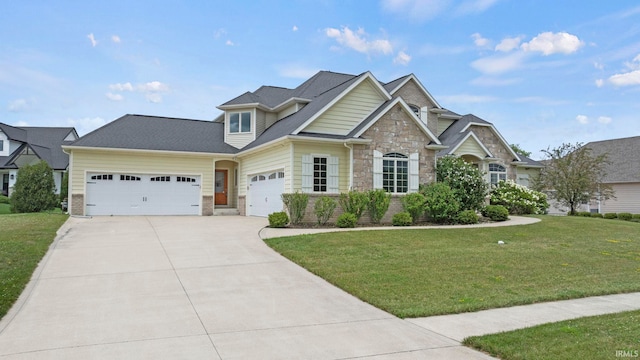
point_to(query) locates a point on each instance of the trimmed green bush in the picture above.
(414, 204)
(296, 204)
(467, 217)
(625, 216)
(278, 219)
(441, 203)
(596, 215)
(518, 199)
(584, 213)
(495, 212)
(379, 201)
(4, 199)
(324, 208)
(401, 219)
(354, 202)
(610, 215)
(34, 189)
(347, 220)
(636, 216)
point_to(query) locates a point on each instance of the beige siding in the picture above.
(139, 163)
(270, 119)
(443, 124)
(338, 150)
(273, 158)
(240, 140)
(525, 176)
(471, 147)
(261, 120)
(627, 199)
(343, 116)
(287, 111)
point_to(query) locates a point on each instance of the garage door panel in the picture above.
(265, 192)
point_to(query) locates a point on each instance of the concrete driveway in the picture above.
(196, 288)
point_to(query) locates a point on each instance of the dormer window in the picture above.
(415, 109)
(240, 122)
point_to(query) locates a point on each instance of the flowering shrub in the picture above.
(464, 179)
(519, 199)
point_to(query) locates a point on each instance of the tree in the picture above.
(573, 175)
(464, 179)
(34, 190)
(520, 151)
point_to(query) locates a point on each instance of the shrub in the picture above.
(596, 215)
(636, 216)
(34, 189)
(401, 219)
(4, 199)
(625, 216)
(464, 179)
(324, 208)
(379, 201)
(495, 212)
(441, 203)
(278, 219)
(467, 217)
(610, 216)
(354, 202)
(414, 204)
(347, 220)
(584, 213)
(296, 204)
(518, 199)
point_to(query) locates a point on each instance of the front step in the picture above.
(225, 211)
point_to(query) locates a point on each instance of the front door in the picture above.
(5, 184)
(221, 187)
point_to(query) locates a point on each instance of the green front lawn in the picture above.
(24, 239)
(598, 337)
(416, 273)
(5, 209)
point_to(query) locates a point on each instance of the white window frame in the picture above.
(240, 122)
(500, 174)
(413, 175)
(395, 159)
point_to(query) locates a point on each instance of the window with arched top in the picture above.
(497, 173)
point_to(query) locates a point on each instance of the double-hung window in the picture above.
(497, 173)
(240, 122)
(395, 173)
(319, 174)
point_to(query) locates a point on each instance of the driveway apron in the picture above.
(195, 288)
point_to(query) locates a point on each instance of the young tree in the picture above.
(574, 175)
(34, 190)
(520, 151)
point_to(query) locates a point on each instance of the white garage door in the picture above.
(135, 194)
(264, 193)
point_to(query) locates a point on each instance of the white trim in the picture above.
(422, 88)
(471, 134)
(408, 110)
(495, 131)
(168, 152)
(362, 78)
(414, 172)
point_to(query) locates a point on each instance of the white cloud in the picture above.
(153, 86)
(86, 125)
(599, 82)
(508, 44)
(358, 41)
(419, 10)
(479, 40)
(604, 119)
(115, 39)
(114, 97)
(582, 119)
(93, 40)
(218, 33)
(229, 43)
(552, 43)
(498, 64)
(121, 87)
(626, 79)
(598, 65)
(402, 58)
(18, 105)
(153, 97)
(295, 28)
(296, 71)
(474, 6)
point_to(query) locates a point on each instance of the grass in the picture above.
(597, 337)
(5, 209)
(416, 273)
(24, 239)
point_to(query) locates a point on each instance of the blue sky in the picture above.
(544, 72)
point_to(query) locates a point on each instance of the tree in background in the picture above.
(574, 176)
(34, 190)
(520, 151)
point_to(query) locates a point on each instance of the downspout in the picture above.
(350, 147)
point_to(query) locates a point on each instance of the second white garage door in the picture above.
(135, 194)
(264, 193)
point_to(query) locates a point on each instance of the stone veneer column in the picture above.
(77, 204)
(241, 205)
(207, 205)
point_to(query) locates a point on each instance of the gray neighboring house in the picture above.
(623, 174)
(20, 146)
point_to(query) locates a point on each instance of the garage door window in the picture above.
(161, 179)
(129, 178)
(102, 177)
(185, 179)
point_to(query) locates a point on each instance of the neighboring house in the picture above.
(20, 146)
(333, 133)
(623, 174)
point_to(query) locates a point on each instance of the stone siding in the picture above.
(242, 209)
(207, 205)
(497, 148)
(77, 204)
(412, 94)
(310, 217)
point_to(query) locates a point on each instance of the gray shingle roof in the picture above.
(46, 142)
(159, 133)
(623, 156)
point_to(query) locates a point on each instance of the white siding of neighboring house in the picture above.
(627, 199)
(270, 159)
(443, 124)
(525, 176)
(348, 112)
(322, 149)
(5, 145)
